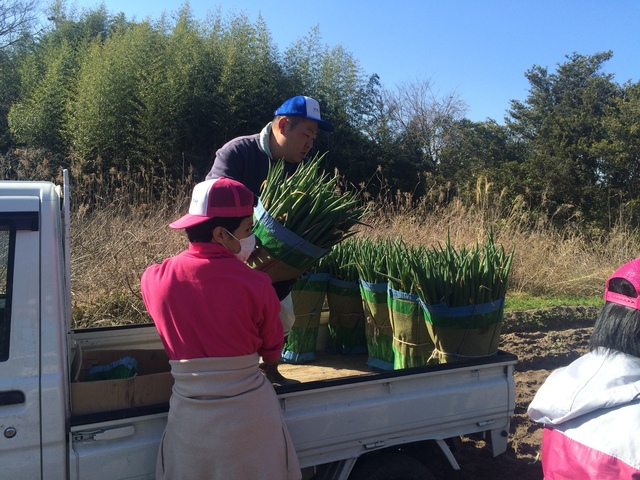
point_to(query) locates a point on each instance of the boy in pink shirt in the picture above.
(216, 317)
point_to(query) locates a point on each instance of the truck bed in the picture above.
(340, 410)
(339, 413)
(327, 366)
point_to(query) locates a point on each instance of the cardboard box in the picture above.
(151, 386)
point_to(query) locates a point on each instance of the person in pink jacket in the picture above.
(591, 408)
(216, 318)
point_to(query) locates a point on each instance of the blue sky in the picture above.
(479, 49)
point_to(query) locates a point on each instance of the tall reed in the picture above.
(116, 238)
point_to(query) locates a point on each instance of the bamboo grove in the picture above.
(150, 101)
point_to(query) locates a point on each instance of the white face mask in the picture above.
(247, 246)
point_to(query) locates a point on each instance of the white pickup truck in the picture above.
(55, 426)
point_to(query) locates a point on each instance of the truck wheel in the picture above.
(391, 466)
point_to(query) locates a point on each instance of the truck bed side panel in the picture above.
(333, 423)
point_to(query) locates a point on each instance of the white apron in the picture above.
(225, 423)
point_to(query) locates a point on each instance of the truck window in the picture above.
(7, 242)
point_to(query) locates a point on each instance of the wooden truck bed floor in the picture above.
(327, 366)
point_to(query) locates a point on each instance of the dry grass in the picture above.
(548, 261)
(110, 249)
(113, 245)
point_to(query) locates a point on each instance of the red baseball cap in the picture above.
(630, 272)
(219, 197)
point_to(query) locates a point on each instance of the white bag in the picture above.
(287, 315)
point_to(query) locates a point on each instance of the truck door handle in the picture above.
(11, 397)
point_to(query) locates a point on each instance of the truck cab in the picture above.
(34, 297)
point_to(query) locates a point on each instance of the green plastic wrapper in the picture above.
(412, 343)
(346, 318)
(281, 254)
(460, 333)
(308, 296)
(378, 331)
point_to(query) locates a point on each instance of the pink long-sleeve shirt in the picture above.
(206, 303)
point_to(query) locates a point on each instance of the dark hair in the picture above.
(294, 120)
(203, 232)
(617, 326)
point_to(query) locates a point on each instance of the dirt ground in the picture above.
(543, 340)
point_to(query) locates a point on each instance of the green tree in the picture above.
(47, 76)
(340, 88)
(112, 95)
(380, 139)
(302, 63)
(619, 152)
(250, 79)
(37, 120)
(561, 122)
(481, 150)
(17, 20)
(9, 88)
(334, 77)
(179, 98)
(102, 115)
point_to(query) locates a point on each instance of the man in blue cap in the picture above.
(289, 136)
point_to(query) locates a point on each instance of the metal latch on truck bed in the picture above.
(108, 434)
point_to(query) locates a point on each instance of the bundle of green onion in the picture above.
(324, 265)
(457, 278)
(400, 266)
(309, 204)
(371, 259)
(341, 260)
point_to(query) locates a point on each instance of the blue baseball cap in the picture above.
(306, 107)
